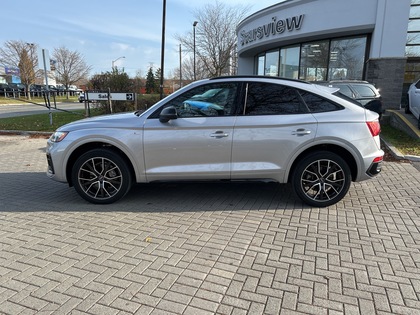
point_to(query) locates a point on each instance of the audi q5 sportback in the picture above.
(263, 128)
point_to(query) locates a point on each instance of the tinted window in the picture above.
(317, 104)
(344, 89)
(364, 90)
(272, 99)
(205, 100)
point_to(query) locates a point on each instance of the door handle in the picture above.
(301, 132)
(219, 134)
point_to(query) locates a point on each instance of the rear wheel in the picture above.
(321, 179)
(101, 176)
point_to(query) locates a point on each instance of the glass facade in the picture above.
(332, 59)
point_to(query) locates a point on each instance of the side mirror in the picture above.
(168, 114)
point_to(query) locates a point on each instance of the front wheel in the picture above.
(101, 176)
(321, 179)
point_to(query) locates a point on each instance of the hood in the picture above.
(123, 120)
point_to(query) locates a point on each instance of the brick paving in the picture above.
(207, 248)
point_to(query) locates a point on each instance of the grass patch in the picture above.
(4, 100)
(41, 122)
(399, 139)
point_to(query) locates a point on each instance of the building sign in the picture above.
(12, 71)
(92, 96)
(274, 28)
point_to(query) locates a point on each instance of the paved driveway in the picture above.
(214, 248)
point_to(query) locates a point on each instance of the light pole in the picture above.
(162, 52)
(113, 61)
(194, 25)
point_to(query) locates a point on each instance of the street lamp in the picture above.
(194, 25)
(113, 61)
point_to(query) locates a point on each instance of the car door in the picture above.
(414, 98)
(195, 145)
(273, 125)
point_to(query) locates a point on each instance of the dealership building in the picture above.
(324, 40)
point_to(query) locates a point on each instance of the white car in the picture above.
(261, 129)
(413, 105)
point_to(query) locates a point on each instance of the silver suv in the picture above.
(256, 128)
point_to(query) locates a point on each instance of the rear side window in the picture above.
(318, 104)
(364, 90)
(345, 90)
(272, 99)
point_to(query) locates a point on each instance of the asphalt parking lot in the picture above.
(208, 248)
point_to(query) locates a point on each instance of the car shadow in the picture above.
(36, 192)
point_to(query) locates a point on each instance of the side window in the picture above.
(418, 85)
(364, 91)
(206, 100)
(272, 99)
(318, 104)
(345, 90)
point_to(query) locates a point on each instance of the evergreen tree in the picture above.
(150, 82)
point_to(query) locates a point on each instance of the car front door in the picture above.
(273, 125)
(195, 145)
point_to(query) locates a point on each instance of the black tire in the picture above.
(418, 122)
(101, 176)
(321, 179)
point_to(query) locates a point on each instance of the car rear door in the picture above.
(273, 125)
(195, 145)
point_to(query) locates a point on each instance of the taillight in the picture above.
(374, 127)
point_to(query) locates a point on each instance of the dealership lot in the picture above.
(224, 248)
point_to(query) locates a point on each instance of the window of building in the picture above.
(314, 61)
(334, 59)
(347, 57)
(260, 65)
(289, 62)
(272, 63)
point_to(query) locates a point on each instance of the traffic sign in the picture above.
(94, 96)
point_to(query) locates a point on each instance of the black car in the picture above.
(17, 87)
(363, 92)
(5, 89)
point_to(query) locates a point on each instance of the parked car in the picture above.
(5, 89)
(17, 87)
(270, 129)
(363, 92)
(81, 97)
(413, 105)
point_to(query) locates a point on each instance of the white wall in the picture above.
(387, 20)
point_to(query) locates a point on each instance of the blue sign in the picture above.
(12, 71)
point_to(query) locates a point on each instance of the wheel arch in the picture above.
(342, 152)
(95, 145)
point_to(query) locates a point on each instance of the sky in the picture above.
(103, 31)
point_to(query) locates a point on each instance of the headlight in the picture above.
(58, 136)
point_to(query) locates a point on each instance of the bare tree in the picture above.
(215, 40)
(22, 56)
(70, 67)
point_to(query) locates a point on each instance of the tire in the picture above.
(101, 176)
(321, 179)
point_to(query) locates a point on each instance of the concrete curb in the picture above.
(397, 153)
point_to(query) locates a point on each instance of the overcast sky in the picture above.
(103, 31)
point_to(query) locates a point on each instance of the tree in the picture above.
(21, 55)
(216, 39)
(150, 82)
(70, 67)
(116, 81)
